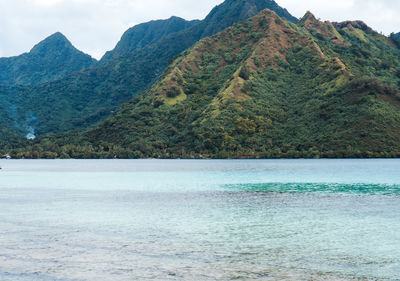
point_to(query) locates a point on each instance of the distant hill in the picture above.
(83, 99)
(51, 59)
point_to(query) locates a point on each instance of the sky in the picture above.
(95, 26)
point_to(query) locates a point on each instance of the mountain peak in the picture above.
(57, 36)
(308, 19)
(319, 28)
(309, 15)
(54, 42)
(51, 59)
(233, 11)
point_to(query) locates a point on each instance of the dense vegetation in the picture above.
(263, 88)
(53, 58)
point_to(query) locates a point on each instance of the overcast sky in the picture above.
(95, 26)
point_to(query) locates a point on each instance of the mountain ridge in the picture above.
(262, 88)
(265, 88)
(83, 99)
(144, 34)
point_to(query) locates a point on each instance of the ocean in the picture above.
(200, 220)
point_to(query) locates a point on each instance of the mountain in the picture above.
(146, 34)
(51, 59)
(263, 88)
(84, 99)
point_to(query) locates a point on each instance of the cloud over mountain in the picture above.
(95, 26)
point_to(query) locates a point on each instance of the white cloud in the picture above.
(381, 15)
(95, 26)
(46, 2)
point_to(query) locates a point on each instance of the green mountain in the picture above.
(85, 98)
(146, 34)
(51, 59)
(263, 88)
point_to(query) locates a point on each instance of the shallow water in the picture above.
(200, 220)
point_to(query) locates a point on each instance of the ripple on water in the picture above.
(191, 223)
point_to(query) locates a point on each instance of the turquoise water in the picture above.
(200, 220)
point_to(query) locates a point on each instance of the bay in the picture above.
(200, 220)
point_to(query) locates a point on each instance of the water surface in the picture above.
(200, 220)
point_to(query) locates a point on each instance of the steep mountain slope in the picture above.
(153, 59)
(148, 33)
(51, 59)
(85, 98)
(268, 88)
